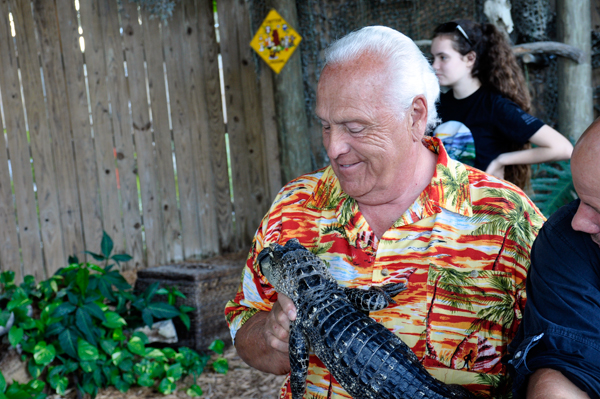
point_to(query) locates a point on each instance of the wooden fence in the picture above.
(128, 134)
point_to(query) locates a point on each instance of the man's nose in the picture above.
(335, 142)
(583, 221)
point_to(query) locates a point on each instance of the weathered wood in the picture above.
(18, 147)
(244, 120)
(83, 154)
(271, 154)
(556, 48)
(206, 78)
(162, 137)
(126, 162)
(39, 133)
(292, 122)
(59, 126)
(142, 129)
(184, 151)
(102, 131)
(575, 95)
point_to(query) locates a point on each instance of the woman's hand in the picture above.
(496, 168)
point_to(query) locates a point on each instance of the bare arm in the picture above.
(551, 146)
(551, 384)
(262, 342)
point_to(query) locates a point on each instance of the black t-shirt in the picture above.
(494, 122)
(561, 325)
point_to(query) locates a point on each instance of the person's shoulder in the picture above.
(301, 188)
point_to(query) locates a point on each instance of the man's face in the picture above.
(371, 148)
(586, 179)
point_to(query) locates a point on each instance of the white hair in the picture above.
(412, 73)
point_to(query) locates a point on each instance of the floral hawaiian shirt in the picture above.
(462, 248)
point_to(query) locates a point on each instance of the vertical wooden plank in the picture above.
(186, 156)
(83, 145)
(39, 133)
(126, 162)
(271, 154)
(104, 147)
(59, 128)
(256, 202)
(236, 121)
(162, 136)
(208, 132)
(134, 55)
(9, 243)
(29, 232)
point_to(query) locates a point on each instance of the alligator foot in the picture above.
(375, 298)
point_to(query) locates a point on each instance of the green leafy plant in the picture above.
(552, 186)
(78, 328)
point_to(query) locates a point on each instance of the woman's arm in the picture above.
(551, 384)
(551, 146)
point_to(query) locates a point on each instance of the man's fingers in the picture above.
(287, 305)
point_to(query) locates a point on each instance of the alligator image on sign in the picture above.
(367, 359)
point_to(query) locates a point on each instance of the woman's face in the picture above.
(450, 66)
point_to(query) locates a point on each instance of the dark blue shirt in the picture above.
(561, 325)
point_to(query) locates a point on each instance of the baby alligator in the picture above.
(367, 359)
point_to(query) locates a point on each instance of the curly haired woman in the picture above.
(484, 114)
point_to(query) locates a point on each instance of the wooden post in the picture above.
(575, 97)
(292, 121)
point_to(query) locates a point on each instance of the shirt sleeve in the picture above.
(517, 125)
(558, 330)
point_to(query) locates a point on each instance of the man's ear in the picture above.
(418, 115)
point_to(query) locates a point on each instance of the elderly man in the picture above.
(393, 207)
(557, 349)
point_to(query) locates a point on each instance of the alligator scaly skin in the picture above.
(367, 359)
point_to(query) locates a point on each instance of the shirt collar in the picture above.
(449, 189)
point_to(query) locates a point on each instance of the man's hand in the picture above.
(552, 384)
(262, 342)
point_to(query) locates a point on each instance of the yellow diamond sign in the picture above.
(275, 41)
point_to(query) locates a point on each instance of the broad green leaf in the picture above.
(194, 391)
(142, 336)
(64, 309)
(96, 268)
(73, 260)
(117, 357)
(96, 256)
(36, 386)
(136, 345)
(44, 354)
(83, 279)
(15, 335)
(163, 310)
(175, 371)
(167, 386)
(54, 329)
(2, 380)
(88, 367)
(162, 291)
(120, 384)
(18, 302)
(61, 386)
(126, 365)
(84, 322)
(155, 354)
(217, 346)
(147, 317)
(185, 319)
(68, 342)
(109, 346)
(7, 277)
(106, 246)
(128, 378)
(118, 335)
(35, 370)
(145, 380)
(169, 352)
(4, 316)
(221, 365)
(113, 320)
(86, 351)
(186, 309)
(151, 291)
(121, 258)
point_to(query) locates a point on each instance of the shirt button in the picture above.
(474, 273)
(385, 272)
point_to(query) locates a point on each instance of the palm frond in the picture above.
(552, 186)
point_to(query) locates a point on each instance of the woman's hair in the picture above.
(411, 73)
(497, 69)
